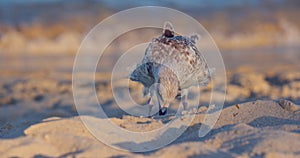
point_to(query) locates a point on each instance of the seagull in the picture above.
(170, 66)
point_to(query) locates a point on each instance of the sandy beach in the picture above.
(257, 128)
(260, 117)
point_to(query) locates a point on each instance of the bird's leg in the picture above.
(162, 110)
(150, 100)
(184, 93)
(150, 103)
(158, 100)
(145, 92)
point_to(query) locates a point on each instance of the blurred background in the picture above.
(259, 33)
(258, 39)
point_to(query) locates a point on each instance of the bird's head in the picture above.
(167, 88)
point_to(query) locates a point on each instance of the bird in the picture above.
(170, 66)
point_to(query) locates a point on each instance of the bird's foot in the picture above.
(185, 104)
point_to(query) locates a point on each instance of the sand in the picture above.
(40, 120)
(260, 128)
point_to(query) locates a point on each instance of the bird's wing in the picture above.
(194, 69)
(143, 74)
(202, 71)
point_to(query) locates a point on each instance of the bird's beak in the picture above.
(163, 111)
(164, 108)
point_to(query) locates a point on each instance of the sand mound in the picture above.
(251, 129)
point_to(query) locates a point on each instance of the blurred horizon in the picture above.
(31, 9)
(255, 33)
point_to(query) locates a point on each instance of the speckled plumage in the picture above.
(174, 62)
